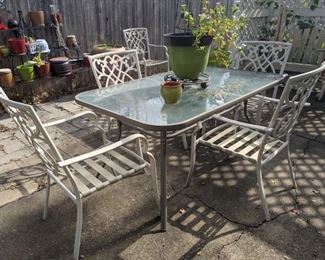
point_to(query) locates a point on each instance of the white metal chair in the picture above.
(260, 144)
(261, 56)
(137, 38)
(113, 68)
(88, 172)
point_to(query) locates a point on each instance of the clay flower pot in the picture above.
(6, 78)
(37, 18)
(71, 41)
(43, 70)
(4, 51)
(171, 91)
(17, 46)
(26, 72)
(101, 48)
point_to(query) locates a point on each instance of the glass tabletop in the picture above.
(139, 102)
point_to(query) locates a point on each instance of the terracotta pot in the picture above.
(71, 41)
(101, 48)
(60, 66)
(57, 18)
(17, 46)
(37, 18)
(171, 91)
(43, 71)
(4, 51)
(85, 61)
(6, 78)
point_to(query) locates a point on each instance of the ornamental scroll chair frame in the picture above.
(113, 68)
(256, 143)
(137, 38)
(86, 173)
(261, 56)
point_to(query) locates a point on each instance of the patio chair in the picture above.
(256, 143)
(137, 38)
(262, 56)
(85, 173)
(113, 68)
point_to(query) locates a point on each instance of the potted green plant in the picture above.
(103, 47)
(26, 71)
(189, 52)
(41, 67)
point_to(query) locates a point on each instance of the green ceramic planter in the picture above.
(26, 72)
(186, 61)
(171, 91)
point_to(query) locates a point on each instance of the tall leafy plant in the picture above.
(212, 21)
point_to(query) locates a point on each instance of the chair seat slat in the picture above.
(87, 175)
(103, 172)
(114, 165)
(243, 141)
(232, 138)
(127, 161)
(222, 134)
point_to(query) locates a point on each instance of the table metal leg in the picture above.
(163, 180)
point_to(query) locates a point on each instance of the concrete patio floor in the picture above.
(218, 217)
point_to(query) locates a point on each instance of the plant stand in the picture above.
(202, 81)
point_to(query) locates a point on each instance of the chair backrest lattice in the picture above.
(31, 127)
(115, 67)
(292, 101)
(137, 38)
(263, 56)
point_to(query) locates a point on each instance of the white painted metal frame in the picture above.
(262, 56)
(137, 38)
(112, 68)
(88, 172)
(256, 143)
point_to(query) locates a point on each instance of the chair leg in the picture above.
(292, 173)
(185, 145)
(47, 196)
(262, 191)
(154, 179)
(193, 157)
(78, 230)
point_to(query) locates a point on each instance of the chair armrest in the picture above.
(101, 150)
(157, 46)
(275, 100)
(64, 120)
(243, 124)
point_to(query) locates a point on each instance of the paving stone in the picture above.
(17, 192)
(11, 145)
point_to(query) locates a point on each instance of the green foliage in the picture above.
(214, 22)
(38, 60)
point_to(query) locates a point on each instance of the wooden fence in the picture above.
(102, 21)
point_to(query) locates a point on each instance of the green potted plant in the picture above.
(26, 71)
(189, 52)
(41, 67)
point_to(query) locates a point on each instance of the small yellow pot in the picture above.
(171, 91)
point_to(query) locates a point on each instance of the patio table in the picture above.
(138, 104)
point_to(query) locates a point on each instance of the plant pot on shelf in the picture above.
(6, 78)
(60, 66)
(43, 70)
(171, 91)
(101, 48)
(186, 60)
(4, 50)
(37, 18)
(26, 72)
(17, 46)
